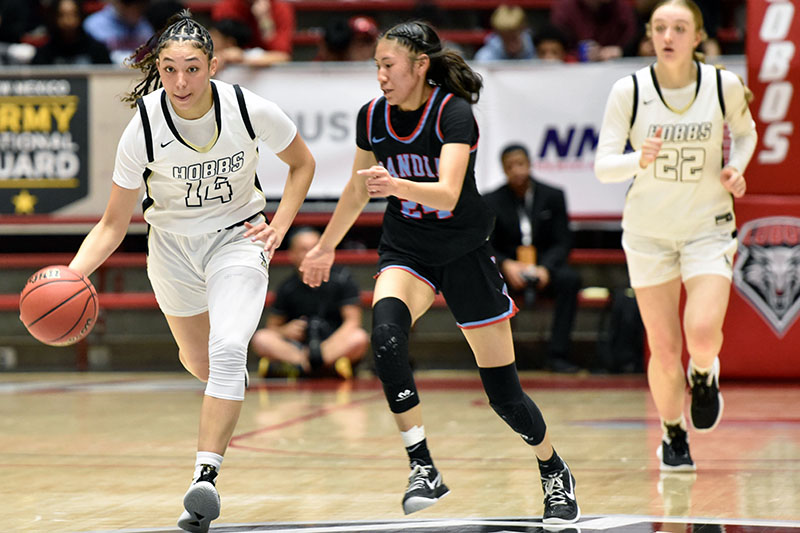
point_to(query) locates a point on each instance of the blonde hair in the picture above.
(508, 18)
(697, 15)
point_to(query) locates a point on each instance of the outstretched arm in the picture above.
(107, 234)
(317, 263)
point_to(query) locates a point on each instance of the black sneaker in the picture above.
(560, 505)
(201, 503)
(674, 451)
(423, 491)
(706, 411)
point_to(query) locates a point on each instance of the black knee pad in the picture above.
(391, 322)
(512, 404)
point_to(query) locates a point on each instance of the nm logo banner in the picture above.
(767, 269)
(43, 143)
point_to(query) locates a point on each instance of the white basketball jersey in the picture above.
(679, 194)
(191, 190)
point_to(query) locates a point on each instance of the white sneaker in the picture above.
(201, 503)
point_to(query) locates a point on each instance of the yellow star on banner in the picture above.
(24, 202)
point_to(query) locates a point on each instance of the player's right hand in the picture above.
(316, 266)
(650, 148)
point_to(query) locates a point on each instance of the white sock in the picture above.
(699, 370)
(677, 422)
(207, 458)
(413, 436)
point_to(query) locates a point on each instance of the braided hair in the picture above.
(180, 27)
(447, 69)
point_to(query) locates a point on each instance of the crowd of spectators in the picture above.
(260, 33)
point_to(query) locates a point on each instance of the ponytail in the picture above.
(447, 68)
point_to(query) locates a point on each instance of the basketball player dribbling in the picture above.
(416, 146)
(678, 222)
(192, 145)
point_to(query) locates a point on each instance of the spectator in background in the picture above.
(160, 11)
(365, 35)
(231, 46)
(271, 22)
(121, 26)
(68, 43)
(598, 30)
(550, 43)
(510, 38)
(312, 329)
(350, 39)
(15, 20)
(532, 241)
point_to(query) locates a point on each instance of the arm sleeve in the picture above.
(270, 123)
(131, 160)
(740, 121)
(457, 123)
(611, 164)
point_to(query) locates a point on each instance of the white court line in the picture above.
(591, 523)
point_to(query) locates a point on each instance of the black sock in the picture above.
(554, 464)
(419, 453)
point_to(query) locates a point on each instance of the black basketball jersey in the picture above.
(408, 145)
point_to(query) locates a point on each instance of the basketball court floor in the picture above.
(100, 452)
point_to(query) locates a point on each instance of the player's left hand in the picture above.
(733, 181)
(380, 183)
(265, 233)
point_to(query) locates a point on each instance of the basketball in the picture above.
(58, 306)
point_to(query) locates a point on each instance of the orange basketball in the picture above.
(58, 305)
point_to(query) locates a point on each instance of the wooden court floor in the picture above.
(115, 452)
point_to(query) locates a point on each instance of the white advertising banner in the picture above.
(553, 109)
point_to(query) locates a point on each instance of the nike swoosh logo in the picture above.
(376, 140)
(646, 102)
(571, 493)
(166, 143)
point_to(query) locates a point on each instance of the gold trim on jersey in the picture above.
(664, 101)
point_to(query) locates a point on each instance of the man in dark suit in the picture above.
(532, 241)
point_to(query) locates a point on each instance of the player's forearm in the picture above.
(353, 200)
(100, 243)
(294, 193)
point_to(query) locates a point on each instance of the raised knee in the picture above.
(197, 365)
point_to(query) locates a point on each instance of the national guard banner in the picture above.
(43, 143)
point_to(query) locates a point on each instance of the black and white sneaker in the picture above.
(201, 503)
(674, 451)
(560, 504)
(425, 487)
(706, 411)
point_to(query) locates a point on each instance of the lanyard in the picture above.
(525, 223)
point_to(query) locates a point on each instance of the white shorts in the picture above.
(653, 261)
(179, 266)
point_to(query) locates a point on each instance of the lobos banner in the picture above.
(761, 330)
(773, 37)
